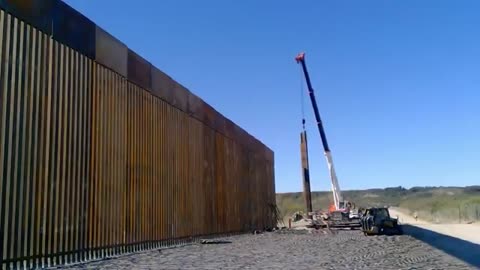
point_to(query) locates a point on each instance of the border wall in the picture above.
(101, 153)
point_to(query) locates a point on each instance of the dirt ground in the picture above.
(289, 249)
(467, 232)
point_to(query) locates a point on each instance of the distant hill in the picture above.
(436, 204)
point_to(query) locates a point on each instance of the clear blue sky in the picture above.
(397, 82)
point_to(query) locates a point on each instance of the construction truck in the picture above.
(341, 213)
(377, 220)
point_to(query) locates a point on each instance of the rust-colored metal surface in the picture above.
(38, 13)
(209, 115)
(94, 163)
(44, 147)
(139, 70)
(219, 122)
(196, 107)
(229, 128)
(162, 85)
(73, 29)
(181, 97)
(110, 52)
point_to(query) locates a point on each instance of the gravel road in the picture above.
(467, 232)
(288, 249)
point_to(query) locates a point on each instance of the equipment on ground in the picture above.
(341, 213)
(377, 220)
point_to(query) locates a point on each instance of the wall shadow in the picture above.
(461, 249)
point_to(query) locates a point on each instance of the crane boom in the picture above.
(337, 195)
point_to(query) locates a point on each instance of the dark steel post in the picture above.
(307, 195)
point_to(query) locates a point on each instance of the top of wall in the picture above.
(70, 27)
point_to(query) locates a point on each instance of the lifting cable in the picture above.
(302, 83)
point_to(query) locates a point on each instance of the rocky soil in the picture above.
(289, 249)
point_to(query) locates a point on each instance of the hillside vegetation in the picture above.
(435, 204)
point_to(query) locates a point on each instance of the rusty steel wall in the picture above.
(101, 153)
(44, 146)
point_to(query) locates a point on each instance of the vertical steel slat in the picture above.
(143, 161)
(133, 171)
(66, 197)
(126, 192)
(4, 35)
(20, 134)
(34, 162)
(115, 165)
(143, 174)
(87, 142)
(119, 179)
(186, 170)
(53, 146)
(101, 235)
(173, 123)
(94, 164)
(57, 161)
(101, 168)
(28, 148)
(113, 225)
(71, 159)
(11, 170)
(148, 147)
(124, 165)
(59, 225)
(113, 178)
(152, 204)
(175, 173)
(84, 154)
(106, 93)
(160, 173)
(139, 180)
(158, 177)
(135, 159)
(107, 160)
(143, 156)
(133, 165)
(136, 166)
(8, 136)
(118, 153)
(128, 213)
(44, 87)
(99, 146)
(74, 161)
(153, 172)
(129, 166)
(163, 173)
(169, 168)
